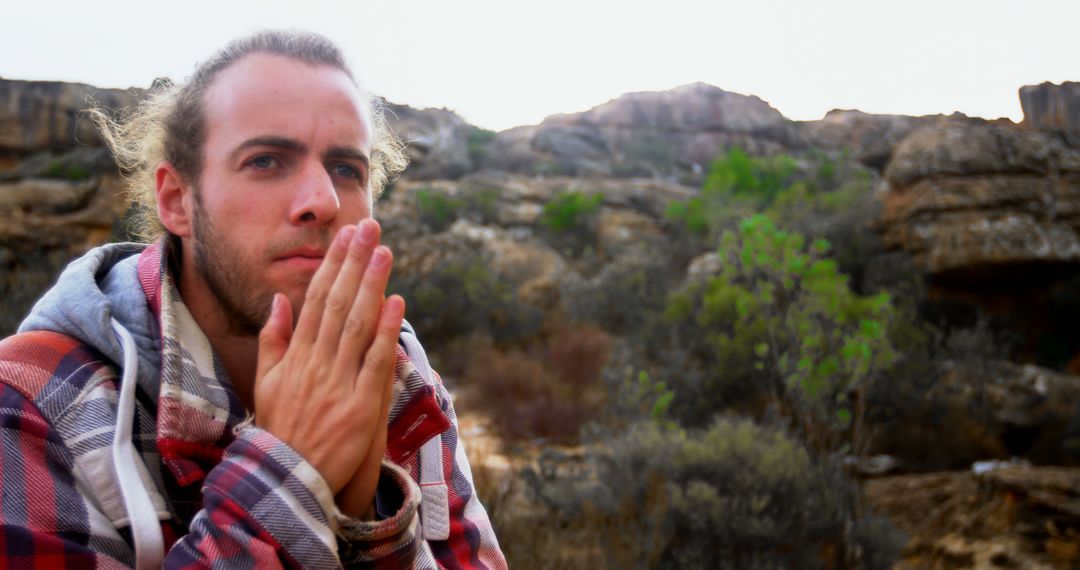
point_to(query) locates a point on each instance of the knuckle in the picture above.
(355, 324)
(355, 253)
(319, 370)
(375, 359)
(314, 296)
(337, 303)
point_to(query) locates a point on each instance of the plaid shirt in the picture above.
(228, 494)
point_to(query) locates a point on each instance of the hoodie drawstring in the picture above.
(142, 516)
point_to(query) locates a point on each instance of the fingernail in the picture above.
(275, 305)
(346, 234)
(367, 232)
(397, 305)
(381, 257)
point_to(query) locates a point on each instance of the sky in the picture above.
(502, 63)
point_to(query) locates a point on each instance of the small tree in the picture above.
(815, 345)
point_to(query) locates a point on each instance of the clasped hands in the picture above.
(325, 387)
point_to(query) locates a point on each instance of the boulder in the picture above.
(1052, 107)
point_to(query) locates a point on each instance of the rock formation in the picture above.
(60, 193)
(669, 134)
(1013, 517)
(970, 195)
(871, 138)
(1052, 107)
(437, 141)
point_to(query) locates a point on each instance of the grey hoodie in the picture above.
(94, 289)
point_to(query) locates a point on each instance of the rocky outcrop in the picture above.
(60, 192)
(870, 138)
(968, 196)
(40, 116)
(1014, 517)
(667, 134)
(1052, 107)
(437, 141)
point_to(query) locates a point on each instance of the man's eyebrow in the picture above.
(271, 141)
(347, 152)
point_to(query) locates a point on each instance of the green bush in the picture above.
(436, 209)
(570, 211)
(810, 195)
(759, 179)
(736, 495)
(780, 322)
(570, 220)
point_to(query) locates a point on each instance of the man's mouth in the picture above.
(303, 258)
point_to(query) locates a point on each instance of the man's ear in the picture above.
(174, 200)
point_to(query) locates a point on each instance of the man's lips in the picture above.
(302, 258)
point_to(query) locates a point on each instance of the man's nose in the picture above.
(316, 200)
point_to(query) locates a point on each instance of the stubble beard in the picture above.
(244, 303)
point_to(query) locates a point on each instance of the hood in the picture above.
(100, 286)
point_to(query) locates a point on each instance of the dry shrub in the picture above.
(548, 389)
(533, 535)
(737, 495)
(526, 535)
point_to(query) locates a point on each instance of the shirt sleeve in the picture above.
(263, 503)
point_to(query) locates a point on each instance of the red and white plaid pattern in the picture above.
(224, 499)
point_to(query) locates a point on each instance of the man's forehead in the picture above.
(276, 94)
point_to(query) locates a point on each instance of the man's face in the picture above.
(285, 165)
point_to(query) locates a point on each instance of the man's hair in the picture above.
(170, 123)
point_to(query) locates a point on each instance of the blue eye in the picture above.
(346, 171)
(264, 161)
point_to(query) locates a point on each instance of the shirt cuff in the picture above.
(392, 538)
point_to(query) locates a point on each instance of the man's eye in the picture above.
(264, 161)
(346, 171)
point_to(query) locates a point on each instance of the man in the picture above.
(229, 395)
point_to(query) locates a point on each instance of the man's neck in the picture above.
(238, 352)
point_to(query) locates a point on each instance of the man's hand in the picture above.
(324, 388)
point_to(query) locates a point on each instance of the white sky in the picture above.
(502, 63)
